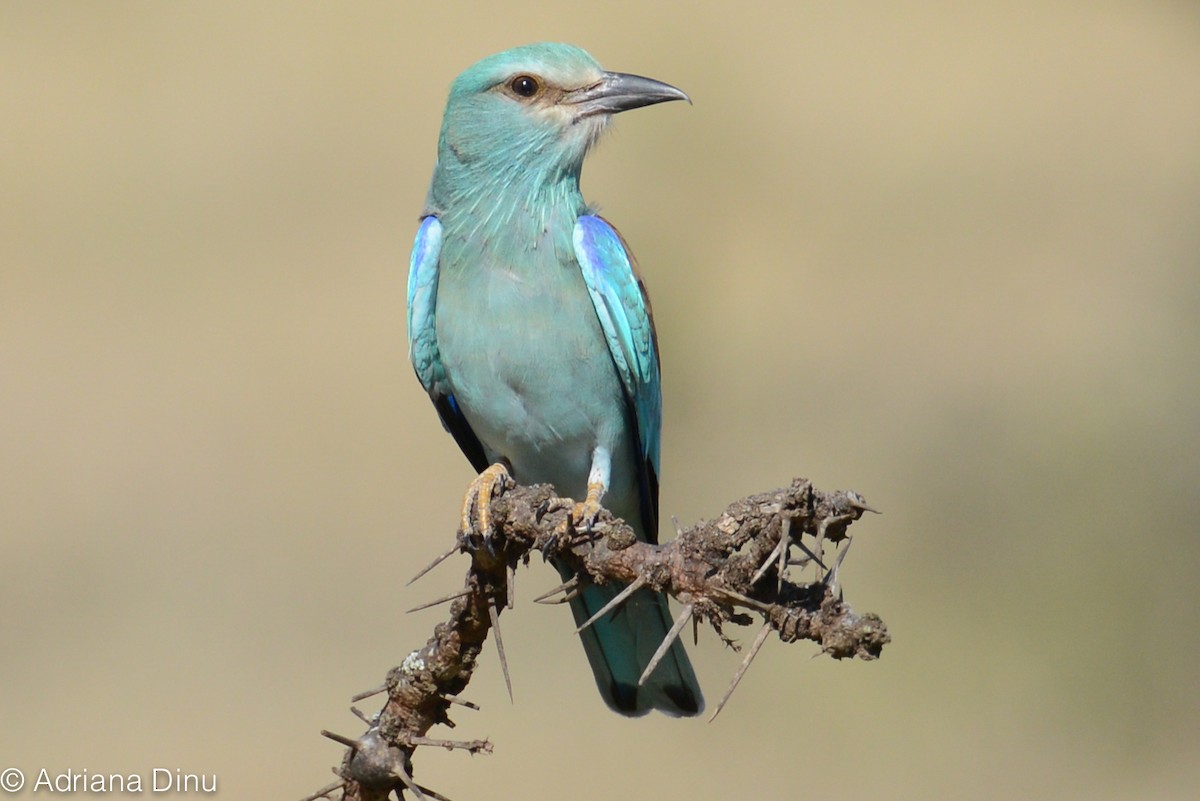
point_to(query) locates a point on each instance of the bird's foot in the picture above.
(583, 516)
(477, 503)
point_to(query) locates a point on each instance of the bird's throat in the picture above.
(510, 211)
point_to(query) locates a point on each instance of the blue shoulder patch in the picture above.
(624, 313)
(422, 304)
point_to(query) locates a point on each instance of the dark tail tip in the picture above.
(686, 702)
(673, 699)
(624, 698)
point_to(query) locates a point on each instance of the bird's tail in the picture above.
(622, 643)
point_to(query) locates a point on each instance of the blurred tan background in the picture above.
(945, 256)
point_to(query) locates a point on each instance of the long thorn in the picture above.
(368, 693)
(617, 600)
(512, 587)
(857, 502)
(680, 622)
(831, 578)
(434, 564)
(494, 614)
(566, 586)
(325, 791)
(811, 555)
(431, 793)
(444, 599)
(785, 539)
(570, 596)
(408, 782)
(819, 540)
(781, 547)
(742, 668)
(339, 738)
(745, 600)
(474, 746)
(454, 699)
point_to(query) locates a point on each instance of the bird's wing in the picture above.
(621, 303)
(422, 339)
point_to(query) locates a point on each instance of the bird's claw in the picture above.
(584, 514)
(477, 504)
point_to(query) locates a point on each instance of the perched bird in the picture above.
(531, 330)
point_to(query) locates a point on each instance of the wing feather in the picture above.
(623, 308)
(422, 339)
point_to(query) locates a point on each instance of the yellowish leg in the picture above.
(479, 496)
(586, 513)
(583, 515)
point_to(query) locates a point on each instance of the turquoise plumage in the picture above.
(531, 330)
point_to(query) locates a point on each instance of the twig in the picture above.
(712, 567)
(382, 688)
(566, 587)
(444, 599)
(325, 791)
(616, 601)
(434, 564)
(672, 635)
(742, 668)
(494, 613)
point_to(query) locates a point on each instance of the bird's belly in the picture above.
(533, 376)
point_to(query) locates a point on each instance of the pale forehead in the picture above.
(560, 64)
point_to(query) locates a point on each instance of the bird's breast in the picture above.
(529, 365)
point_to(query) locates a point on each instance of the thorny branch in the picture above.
(726, 570)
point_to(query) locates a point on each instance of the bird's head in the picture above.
(536, 108)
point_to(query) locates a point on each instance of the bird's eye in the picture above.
(524, 86)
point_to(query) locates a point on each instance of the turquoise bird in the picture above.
(531, 331)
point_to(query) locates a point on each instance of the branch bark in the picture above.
(728, 570)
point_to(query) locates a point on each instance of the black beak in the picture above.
(619, 91)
